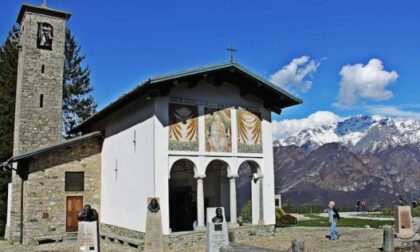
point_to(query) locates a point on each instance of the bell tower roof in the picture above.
(41, 10)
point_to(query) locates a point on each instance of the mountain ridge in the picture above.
(360, 134)
(361, 157)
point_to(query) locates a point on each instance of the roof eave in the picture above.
(42, 10)
(163, 78)
(70, 142)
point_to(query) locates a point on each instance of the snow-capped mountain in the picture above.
(359, 134)
(361, 157)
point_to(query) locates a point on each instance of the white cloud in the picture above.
(285, 128)
(295, 74)
(364, 81)
(393, 111)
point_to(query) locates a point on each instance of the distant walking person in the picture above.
(363, 205)
(333, 217)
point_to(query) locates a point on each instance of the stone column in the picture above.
(261, 203)
(255, 192)
(200, 202)
(232, 181)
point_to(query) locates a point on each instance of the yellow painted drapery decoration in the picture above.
(249, 131)
(183, 131)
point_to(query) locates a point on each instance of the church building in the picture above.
(184, 138)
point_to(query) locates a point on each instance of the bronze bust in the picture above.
(154, 206)
(219, 216)
(87, 214)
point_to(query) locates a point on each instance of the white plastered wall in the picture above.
(128, 166)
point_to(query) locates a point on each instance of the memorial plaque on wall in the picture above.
(217, 231)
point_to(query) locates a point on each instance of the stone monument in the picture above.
(88, 235)
(217, 232)
(403, 222)
(154, 233)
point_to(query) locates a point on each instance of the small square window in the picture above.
(74, 181)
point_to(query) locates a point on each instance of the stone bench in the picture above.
(122, 240)
(48, 239)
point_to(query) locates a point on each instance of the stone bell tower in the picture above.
(39, 91)
(39, 96)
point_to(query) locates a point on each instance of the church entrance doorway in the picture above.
(74, 205)
(216, 187)
(182, 196)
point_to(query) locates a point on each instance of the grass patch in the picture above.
(375, 215)
(317, 221)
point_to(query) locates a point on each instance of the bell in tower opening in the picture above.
(45, 36)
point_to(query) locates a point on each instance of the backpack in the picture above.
(336, 214)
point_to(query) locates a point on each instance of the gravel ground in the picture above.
(353, 239)
(358, 215)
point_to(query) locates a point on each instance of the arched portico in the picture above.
(182, 195)
(248, 187)
(196, 183)
(216, 186)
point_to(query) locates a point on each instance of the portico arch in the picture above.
(216, 186)
(248, 187)
(191, 160)
(182, 195)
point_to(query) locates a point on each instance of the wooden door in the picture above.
(74, 205)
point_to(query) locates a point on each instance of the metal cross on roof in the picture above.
(44, 2)
(232, 50)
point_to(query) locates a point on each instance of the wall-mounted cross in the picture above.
(232, 50)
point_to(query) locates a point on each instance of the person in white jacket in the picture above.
(334, 234)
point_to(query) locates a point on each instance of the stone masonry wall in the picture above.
(44, 193)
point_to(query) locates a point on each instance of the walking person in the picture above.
(333, 217)
(363, 204)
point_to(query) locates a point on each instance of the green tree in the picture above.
(78, 103)
(8, 75)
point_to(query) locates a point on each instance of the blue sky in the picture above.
(125, 42)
